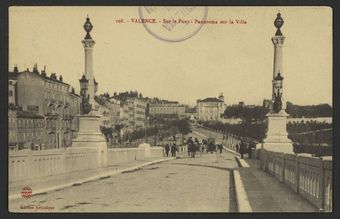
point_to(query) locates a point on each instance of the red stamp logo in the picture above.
(26, 192)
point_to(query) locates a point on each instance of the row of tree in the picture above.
(245, 129)
(300, 127)
(309, 111)
(159, 127)
(246, 113)
(259, 112)
(304, 132)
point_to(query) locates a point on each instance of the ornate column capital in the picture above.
(278, 40)
(88, 43)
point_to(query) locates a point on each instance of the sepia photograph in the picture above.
(170, 109)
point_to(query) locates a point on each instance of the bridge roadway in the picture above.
(200, 184)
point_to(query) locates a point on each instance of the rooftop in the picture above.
(15, 73)
(26, 114)
(210, 99)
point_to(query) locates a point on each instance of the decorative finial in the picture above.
(88, 27)
(278, 24)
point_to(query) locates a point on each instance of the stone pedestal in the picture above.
(90, 137)
(277, 137)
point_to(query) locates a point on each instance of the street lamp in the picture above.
(85, 105)
(277, 82)
(83, 84)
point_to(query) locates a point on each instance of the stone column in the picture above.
(88, 47)
(277, 136)
(278, 44)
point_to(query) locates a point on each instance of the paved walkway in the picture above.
(200, 184)
(267, 194)
(56, 182)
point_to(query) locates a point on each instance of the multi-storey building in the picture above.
(51, 98)
(104, 110)
(211, 108)
(115, 111)
(133, 113)
(25, 129)
(75, 102)
(168, 108)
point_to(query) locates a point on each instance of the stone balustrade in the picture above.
(309, 176)
(28, 164)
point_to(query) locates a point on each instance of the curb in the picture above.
(89, 179)
(241, 162)
(231, 151)
(242, 200)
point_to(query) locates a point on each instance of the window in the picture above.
(10, 93)
(33, 108)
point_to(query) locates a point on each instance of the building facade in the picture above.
(168, 108)
(25, 129)
(211, 108)
(133, 113)
(51, 98)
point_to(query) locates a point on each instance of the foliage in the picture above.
(310, 132)
(309, 111)
(307, 133)
(245, 129)
(107, 132)
(246, 113)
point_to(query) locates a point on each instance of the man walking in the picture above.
(173, 150)
(167, 149)
(190, 145)
(242, 148)
(220, 147)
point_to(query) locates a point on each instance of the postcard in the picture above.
(170, 109)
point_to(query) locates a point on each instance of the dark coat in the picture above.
(243, 148)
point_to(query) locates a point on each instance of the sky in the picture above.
(236, 59)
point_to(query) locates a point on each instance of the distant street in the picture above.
(201, 184)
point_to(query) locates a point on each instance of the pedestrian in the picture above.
(189, 145)
(220, 147)
(250, 147)
(242, 148)
(173, 150)
(237, 147)
(167, 149)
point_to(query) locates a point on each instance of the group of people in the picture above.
(193, 146)
(206, 145)
(244, 147)
(173, 150)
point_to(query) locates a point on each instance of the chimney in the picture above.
(53, 76)
(35, 69)
(16, 69)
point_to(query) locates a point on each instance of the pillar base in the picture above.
(90, 137)
(277, 137)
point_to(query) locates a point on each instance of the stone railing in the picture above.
(309, 176)
(28, 164)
